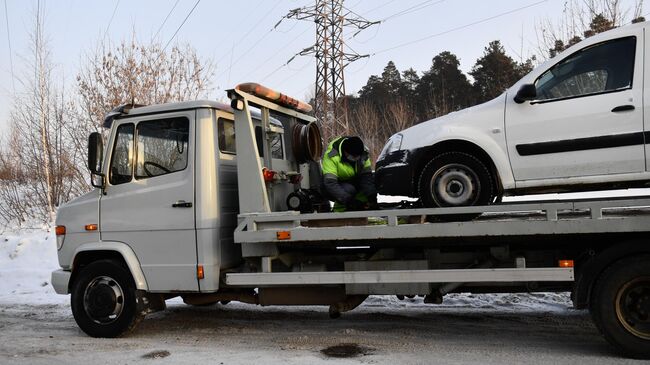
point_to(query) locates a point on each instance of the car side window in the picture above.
(162, 147)
(122, 156)
(603, 67)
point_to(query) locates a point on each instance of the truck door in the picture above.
(148, 202)
(587, 119)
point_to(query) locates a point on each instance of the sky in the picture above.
(242, 39)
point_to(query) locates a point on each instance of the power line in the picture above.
(111, 20)
(413, 8)
(245, 53)
(165, 21)
(458, 28)
(251, 29)
(254, 44)
(380, 6)
(183, 23)
(11, 57)
(280, 49)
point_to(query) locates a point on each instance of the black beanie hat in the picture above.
(353, 146)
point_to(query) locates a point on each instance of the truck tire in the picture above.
(103, 300)
(455, 179)
(620, 306)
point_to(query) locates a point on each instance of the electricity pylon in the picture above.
(332, 56)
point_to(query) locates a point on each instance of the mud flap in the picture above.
(147, 303)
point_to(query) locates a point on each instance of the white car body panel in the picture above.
(482, 125)
(491, 124)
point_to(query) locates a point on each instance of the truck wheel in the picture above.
(455, 179)
(620, 306)
(103, 300)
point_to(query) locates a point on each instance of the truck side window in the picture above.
(603, 67)
(162, 147)
(226, 129)
(122, 156)
(276, 144)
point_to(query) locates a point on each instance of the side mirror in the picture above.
(95, 153)
(526, 92)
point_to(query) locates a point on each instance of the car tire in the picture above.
(620, 306)
(455, 179)
(103, 300)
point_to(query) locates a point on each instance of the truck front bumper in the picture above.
(60, 281)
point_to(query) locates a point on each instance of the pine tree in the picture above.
(495, 72)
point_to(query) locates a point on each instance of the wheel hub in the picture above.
(455, 185)
(633, 307)
(103, 300)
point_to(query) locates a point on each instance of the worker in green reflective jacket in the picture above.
(347, 175)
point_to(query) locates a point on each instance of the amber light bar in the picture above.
(274, 96)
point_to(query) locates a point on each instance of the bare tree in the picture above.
(136, 73)
(367, 123)
(582, 19)
(36, 156)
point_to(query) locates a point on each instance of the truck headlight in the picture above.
(394, 144)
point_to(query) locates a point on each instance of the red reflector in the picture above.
(60, 230)
(565, 263)
(283, 235)
(269, 175)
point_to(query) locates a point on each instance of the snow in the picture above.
(27, 259)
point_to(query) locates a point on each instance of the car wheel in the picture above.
(103, 300)
(455, 179)
(620, 306)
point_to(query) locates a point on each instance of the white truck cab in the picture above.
(576, 122)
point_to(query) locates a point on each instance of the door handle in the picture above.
(182, 204)
(623, 108)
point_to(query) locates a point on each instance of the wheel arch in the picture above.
(458, 145)
(117, 251)
(591, 271)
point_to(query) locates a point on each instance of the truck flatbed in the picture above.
(581, 216)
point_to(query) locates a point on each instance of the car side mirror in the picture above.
(526, 92)
(95, 153)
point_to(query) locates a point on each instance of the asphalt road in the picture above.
(374, 333)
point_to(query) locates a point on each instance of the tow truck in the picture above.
(184, 206)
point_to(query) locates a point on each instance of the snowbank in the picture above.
(27, 259)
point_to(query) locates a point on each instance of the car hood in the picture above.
(486, 114)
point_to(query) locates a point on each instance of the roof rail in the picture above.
(118, 112)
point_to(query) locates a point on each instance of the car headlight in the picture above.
(394, 144)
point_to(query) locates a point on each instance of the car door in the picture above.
(587, 119)
(148, 200)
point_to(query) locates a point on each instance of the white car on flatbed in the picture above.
(574, 123)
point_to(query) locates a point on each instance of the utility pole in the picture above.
(332, 56)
